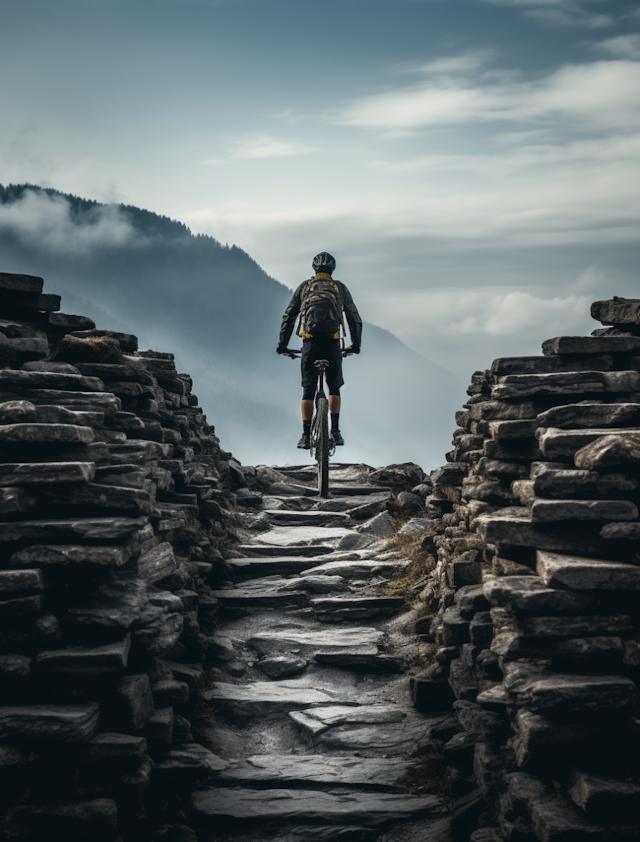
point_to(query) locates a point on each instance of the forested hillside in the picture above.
(220, 313)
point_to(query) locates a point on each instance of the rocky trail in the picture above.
(311, 713)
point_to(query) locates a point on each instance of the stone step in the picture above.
(282, 517)
(356, 490)
(262, 698)
(316, 721)
(316, 770)
(266, 566)
(360, 568)
(259, 598)
(308, 551)
(361, 663)
(349, 642)
(310, 807)
(335, 609)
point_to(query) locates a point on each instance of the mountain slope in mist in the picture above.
(219, 312)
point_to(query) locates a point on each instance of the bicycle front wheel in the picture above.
(322, 445)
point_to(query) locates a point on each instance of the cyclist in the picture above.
(321, 302)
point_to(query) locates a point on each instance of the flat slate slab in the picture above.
(566, 383)
(562, 444)
(277, 551)
(45, 433)
(86, 660)
(268, 696)
(591, 415)
(567, 571)
(617, 311)
(355, 607)
(257, 598)
(13, 379)
(301, 536)
(339, 641)
(46, 473)
(310, 806)
(555, 511)
(63, 554)
(308, 770)
(591, 345)
(401, 738)
(316, 721)
(283, 517)
(93, 529)
(269, 565)
(513, 526)
(528, 593)
(72, 723)
(93, 401)
(579, 485)
(359, 568)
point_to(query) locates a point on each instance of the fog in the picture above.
(219, 313)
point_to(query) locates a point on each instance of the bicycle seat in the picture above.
(321, 363)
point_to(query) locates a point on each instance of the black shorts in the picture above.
(321, 349)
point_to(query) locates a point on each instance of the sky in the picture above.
(473, 165)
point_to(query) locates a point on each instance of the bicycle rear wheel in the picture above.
(322, 444)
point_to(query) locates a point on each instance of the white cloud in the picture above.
(47, 221)
(255, 147)
(623, 46)
(503, 161)
(596, 94)
(449, 65)
(559, 13)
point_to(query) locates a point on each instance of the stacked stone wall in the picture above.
(537, 540)
(115, 512)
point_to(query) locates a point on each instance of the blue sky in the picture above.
(473, 165)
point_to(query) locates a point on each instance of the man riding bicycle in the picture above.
(321, 302)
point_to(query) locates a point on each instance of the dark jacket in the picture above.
(345, 305)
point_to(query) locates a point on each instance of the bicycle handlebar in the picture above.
(293, 353)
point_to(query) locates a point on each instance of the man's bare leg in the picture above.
(307, 410)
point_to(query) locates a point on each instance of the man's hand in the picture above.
(287, 352)
(353, 349)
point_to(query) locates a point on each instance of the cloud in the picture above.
(502, 161)
(562, 13)
(48, 222)
(256, 147)
(596, 94)
(623, 46)
(450, 65)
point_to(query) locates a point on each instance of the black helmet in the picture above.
(324, 262)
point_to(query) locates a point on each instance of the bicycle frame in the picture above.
(322, 445)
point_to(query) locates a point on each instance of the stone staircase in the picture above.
(324, 748)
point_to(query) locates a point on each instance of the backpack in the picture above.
(319, 311)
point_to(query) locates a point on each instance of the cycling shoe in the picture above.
(305, 442)
(336, 435)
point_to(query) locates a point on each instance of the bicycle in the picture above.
(322, 444)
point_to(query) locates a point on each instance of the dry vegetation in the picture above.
(97, 349)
